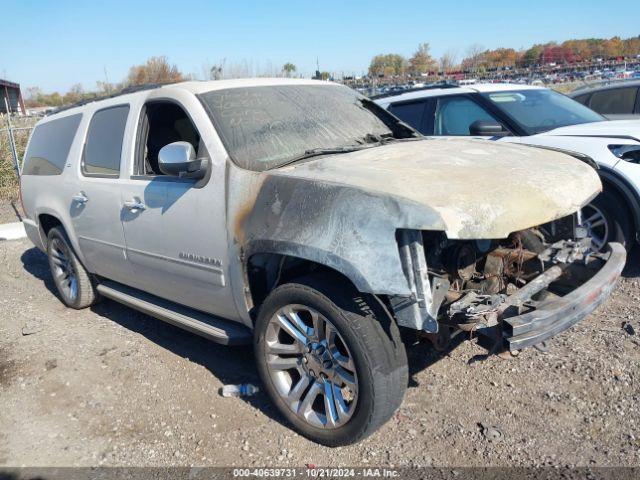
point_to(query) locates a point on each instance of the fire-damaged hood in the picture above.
(470, 189)
(610, 129)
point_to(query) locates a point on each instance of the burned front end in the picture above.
(514, 292)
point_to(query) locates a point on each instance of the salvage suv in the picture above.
(303, 216)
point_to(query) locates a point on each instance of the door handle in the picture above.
(134, 205)
(80, 198)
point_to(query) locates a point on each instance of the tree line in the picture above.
(156, 70)
(478, 58)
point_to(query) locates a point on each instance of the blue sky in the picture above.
(54, 44)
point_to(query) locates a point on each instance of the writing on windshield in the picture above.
(267, 126)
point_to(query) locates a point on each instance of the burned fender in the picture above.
(342, 227)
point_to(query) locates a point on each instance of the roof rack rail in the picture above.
(417, 89)
(124, 91)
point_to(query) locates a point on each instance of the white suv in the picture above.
(539, 116)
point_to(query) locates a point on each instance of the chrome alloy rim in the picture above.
(63, 270)
(311, 366)
(594, 221)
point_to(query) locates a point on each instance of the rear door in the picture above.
(95, 196)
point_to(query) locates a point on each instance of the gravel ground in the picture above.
(110, 386)
(10, 211)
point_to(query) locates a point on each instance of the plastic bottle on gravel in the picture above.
(243, 390)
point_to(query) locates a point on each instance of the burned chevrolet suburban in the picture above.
(301, 216)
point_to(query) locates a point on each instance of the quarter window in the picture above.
(411, 113)
(49, 146)
(583, 99)
(617, 100)
(103, 148)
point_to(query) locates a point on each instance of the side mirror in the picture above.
(178, 159)
(487, 128)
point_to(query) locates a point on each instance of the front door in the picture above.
(94, 200)
(175, 228)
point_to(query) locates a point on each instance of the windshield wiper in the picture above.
(316, 152)
(375, 139)
(370, 140)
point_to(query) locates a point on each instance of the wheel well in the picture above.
(612, 189)
(265, 271)
(47, 222)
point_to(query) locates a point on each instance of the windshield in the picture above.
(264, 127)
(541, 110)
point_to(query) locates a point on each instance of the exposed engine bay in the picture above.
(476, 285)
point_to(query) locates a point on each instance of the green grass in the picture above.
(9, 183)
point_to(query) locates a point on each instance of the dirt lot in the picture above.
(109, 386)
(10, 211)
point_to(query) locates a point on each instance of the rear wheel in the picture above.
(607, 220)
(69, 275)
(331, 361)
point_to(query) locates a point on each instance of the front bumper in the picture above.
(555, 316)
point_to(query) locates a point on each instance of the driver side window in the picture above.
(162, 123)
(454, 115)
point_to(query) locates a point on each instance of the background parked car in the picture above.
(539, 116)
(616, 101)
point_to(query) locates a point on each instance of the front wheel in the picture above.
(332, 362)
(607, 220)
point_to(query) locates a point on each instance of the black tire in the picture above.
(617, 227)
(73, 282)
(373, 341)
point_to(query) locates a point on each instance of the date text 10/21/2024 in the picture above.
(311, 471)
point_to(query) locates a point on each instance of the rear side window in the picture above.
(49, 146)
(617, 100)
(410, 113)
(583, 99)
(103, 147)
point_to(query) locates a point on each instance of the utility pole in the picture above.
(106, 81)
(12, 142)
